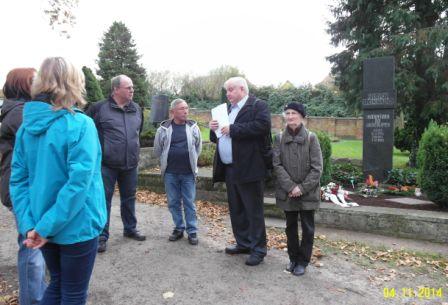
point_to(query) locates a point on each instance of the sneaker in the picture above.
(176, 235)
(102, 246)
(193, 239)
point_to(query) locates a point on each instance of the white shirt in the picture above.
(225, 142)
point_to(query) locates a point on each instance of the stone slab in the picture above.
(409, 201)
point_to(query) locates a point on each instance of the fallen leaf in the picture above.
(168, 295)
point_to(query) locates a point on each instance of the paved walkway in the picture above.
(140, 273)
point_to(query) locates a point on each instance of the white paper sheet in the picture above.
(219, 113)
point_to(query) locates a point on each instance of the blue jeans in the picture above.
(127, 184)
(31, 269)
(70, 269)
(181, 190)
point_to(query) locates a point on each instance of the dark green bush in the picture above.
(207, 155)
(325, 146)
(402, 176)
(432, 160)
(147, 136)
(403, 139)
(344, 173)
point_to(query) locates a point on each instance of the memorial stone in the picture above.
(378, 102)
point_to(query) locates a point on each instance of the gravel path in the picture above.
(140, 273)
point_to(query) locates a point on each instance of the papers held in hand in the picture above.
(219, 113)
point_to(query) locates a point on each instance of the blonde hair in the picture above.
(62, 81)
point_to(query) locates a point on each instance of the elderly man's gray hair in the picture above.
(116, 81)
(176, 102)
(237, 81)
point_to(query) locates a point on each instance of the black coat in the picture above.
(11, 119)
(119, 132)
(248, 134)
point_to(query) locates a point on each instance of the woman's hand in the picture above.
(296, 192)
(34, 240)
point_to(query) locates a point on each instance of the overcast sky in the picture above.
(270, 41)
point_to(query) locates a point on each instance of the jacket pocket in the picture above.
(114, 153)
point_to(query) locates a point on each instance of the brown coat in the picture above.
(297, 161)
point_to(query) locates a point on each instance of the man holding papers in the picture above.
(240, 164)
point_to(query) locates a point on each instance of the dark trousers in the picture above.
(300, 252)
(127, 184)
(247, 214)
(70, 269)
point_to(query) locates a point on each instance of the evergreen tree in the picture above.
(93, 89)
(415, 32)
(118, 55)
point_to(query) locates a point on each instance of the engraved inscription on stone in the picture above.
(382, 98)
(377, 135)
(376, 124)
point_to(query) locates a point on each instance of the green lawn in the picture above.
(352, 149)
(205, 133)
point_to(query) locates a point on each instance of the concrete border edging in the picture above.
(417, 224)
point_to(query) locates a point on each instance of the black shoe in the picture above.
(135, 235)
(254, 260)
(193, 239)
(102, 246)
(299, 270)
(176, 235)
(290, 267)
(236, 250)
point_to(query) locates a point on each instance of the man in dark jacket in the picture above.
(239, 161)
(119, 121)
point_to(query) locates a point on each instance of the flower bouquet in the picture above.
(335, 193)
(371, 187)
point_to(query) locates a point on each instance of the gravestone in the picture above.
(159, 109)
(378, 102)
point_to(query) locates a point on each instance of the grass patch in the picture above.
(205, 133)
(352, 149)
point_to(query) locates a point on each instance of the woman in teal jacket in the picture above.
(56, 186)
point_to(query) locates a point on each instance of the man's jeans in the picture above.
(181, 190)
(31, 268)
(127, 185)
(70, 269)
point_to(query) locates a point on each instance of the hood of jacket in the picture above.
(39, 116)
(167, 123)
(10, 104)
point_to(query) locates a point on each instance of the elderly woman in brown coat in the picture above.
(297, 167)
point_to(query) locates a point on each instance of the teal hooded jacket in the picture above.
(56, 185)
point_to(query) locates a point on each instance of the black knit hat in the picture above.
(297, 107)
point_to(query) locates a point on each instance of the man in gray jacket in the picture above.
(178, 145)
(119, 121)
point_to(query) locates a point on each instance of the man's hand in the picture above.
(296, 192)
(34, 240)
(213, 125)
(225, 130)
